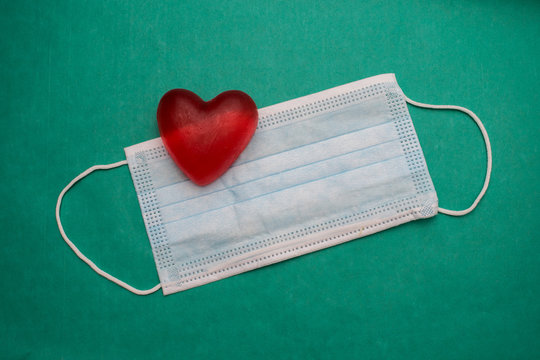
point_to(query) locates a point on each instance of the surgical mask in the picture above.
(320, 170)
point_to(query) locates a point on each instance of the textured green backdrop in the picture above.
(81, 81)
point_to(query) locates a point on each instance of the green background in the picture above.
(82, 80)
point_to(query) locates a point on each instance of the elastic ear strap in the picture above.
(488, 152)
(77, 251)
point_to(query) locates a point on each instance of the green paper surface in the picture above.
(82, 80)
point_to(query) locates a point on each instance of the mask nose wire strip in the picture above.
(77, 251)
(488, 152)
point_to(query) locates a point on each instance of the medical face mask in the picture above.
(320, 170)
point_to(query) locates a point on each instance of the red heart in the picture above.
(205, 138)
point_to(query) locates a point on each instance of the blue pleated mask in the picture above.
(320, 170)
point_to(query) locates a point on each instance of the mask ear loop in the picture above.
(77, 251)
(488, 152)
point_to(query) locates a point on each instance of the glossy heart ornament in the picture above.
(205, 138)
